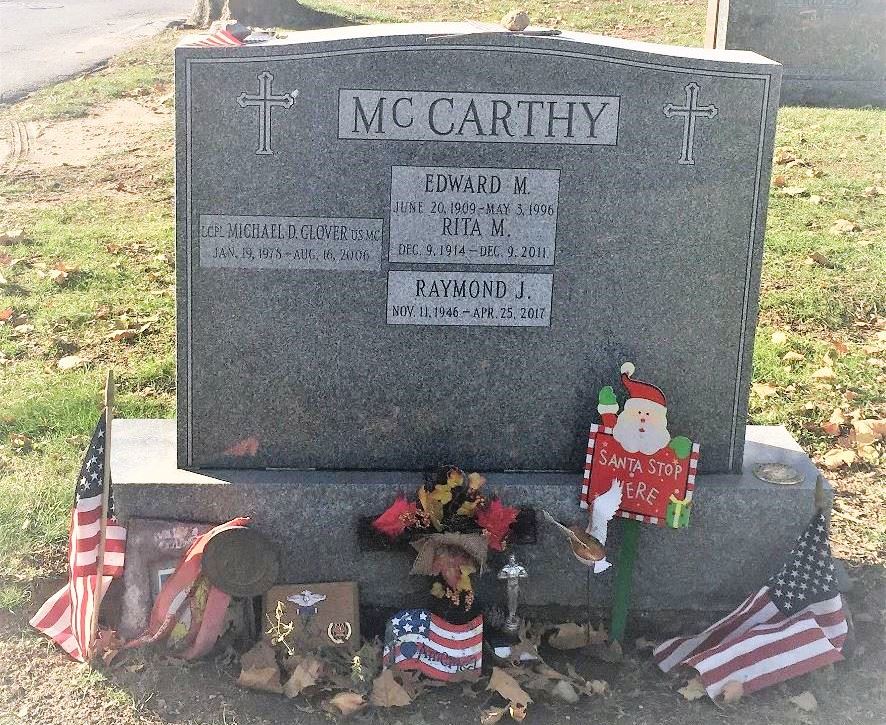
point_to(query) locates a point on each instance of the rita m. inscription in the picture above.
(486, 117)
(473, 215)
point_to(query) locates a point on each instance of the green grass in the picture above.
(13, 597)
(122, 247)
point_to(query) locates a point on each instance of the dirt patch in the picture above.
(79, 142)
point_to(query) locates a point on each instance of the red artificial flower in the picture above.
(496, 520)
(399, 516)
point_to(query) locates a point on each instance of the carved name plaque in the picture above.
(264, 242)
(469, 298)
(476, 216)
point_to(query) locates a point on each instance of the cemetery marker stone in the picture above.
(833, 51)
(399, 246)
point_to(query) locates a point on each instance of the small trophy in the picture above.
(512, 573)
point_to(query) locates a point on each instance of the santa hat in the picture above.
(639, 389)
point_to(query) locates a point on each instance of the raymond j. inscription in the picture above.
(469, 298)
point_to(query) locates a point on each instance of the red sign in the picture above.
(650, 483)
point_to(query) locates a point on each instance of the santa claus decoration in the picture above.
(633, 450)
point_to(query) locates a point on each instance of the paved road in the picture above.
(42, 41)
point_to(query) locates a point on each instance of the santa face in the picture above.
(642, 427)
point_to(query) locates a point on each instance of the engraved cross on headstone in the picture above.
(690, 112)
(265, 101)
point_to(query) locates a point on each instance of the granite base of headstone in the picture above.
(741, 527)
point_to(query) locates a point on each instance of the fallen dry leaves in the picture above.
(805, 701)
(763, 390)
(574, 636)
(693, 690)
(347, 703)
(733, 691)
(845, 226)
(387, 692)
(259, 669)
(305, 675)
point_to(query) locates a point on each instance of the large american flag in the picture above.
(67, 617)
(793, 625)
(416, 639)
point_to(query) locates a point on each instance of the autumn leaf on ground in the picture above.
(868, 431)
(69, 362)
(779, 181)
(792, 356)
(763, 390)
(693, 690)
(820, 259)
(506, 686)
(845, 226)
(259, 669)
(784, 156)
(597, 687)
(564, 691)
(795, 191)
(347, 703)
(11, 236)
(872, 191)
(805, 701)
(733, 691)
(641, 643)
(493, 715)
(573, 636)
(305, 675)
(779, 338)
(825, 373)
(838, 457)
(120, 335)
(387, 692)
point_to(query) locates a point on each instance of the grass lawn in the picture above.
(90, 282)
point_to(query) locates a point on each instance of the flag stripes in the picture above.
(418, 640)
(793, 625)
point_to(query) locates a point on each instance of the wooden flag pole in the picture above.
(103, 521)
(624, 578)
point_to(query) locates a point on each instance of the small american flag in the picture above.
(69, 615)
(793, 625)
(218, 39)
(415, 639)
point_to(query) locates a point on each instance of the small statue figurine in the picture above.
(512, 572)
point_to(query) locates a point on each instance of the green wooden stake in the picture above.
(624, 578)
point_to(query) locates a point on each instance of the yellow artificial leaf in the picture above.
(442, 493)
(387, 692)
(347, 703)
(475, 482)
(432, 507)
(733, 691)
(506, 686)
(454, 478)
(464, 581)
(437, 590)
(693, 690)
(467, 508)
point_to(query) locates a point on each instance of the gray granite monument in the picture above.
(833, 51)
(410, 245)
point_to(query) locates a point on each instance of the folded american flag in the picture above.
(219, 39)
(793, 625)
(415, 639)
(69, 616)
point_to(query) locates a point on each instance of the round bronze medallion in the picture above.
(779, 473)
(241, 562)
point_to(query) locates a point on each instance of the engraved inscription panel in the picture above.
(444, 214)
(266, 242)
(402, 115)
(469, 299)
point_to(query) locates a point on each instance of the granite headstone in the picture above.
(399, 246)
(833, 51)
